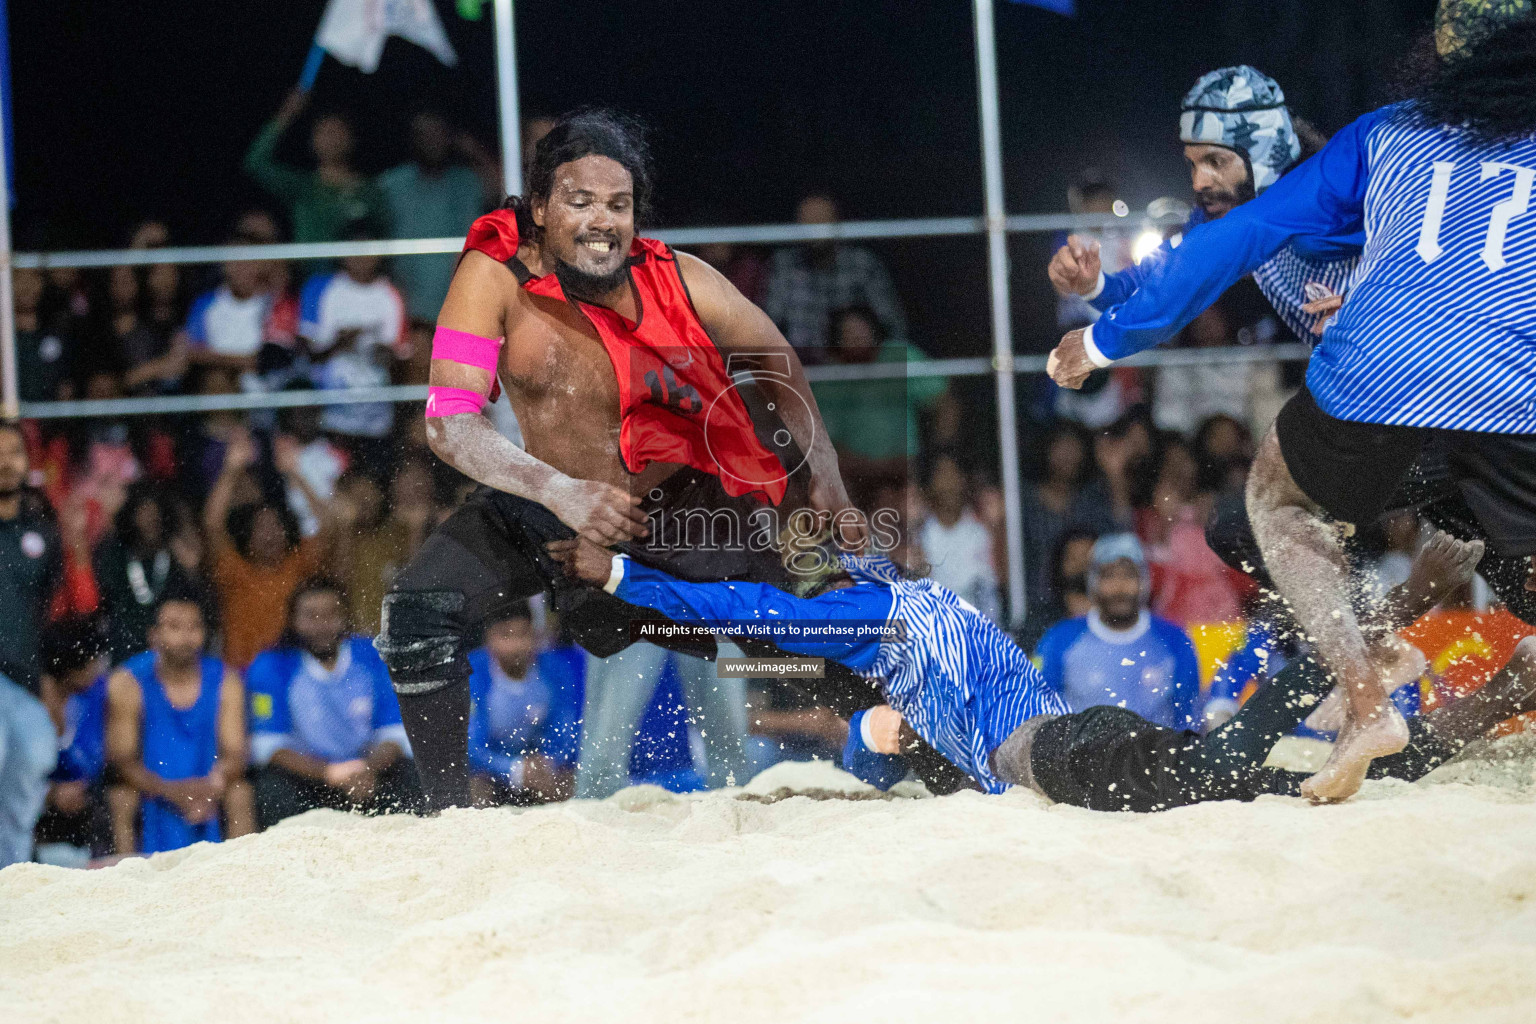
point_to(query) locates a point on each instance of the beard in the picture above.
(579, 284)
(1224, 198)
(323, 651)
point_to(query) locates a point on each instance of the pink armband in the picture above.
(452, 401)
(466, 348)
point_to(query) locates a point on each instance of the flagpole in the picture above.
(312, 66)
(10, 388)
(506, 100)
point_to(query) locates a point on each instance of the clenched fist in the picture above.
(1075, 268)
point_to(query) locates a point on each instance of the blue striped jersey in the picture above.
(956, 678)
(1439, 326)
(1283, 278)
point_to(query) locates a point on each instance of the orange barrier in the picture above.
(1464, 648)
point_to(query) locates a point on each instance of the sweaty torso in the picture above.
(562, 386)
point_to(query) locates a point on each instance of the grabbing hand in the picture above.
(829, 499)
(1075, 268)
(582, 559)
(1323, 309)
(602, 513)
(1069, 364)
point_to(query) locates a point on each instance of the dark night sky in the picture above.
(126, 110)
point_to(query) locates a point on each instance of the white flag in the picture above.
(353, 31)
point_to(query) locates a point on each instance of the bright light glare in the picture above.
(1120, 209)
(1146, 243)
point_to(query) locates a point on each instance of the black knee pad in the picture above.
(421, 639)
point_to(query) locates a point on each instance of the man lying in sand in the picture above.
(967, 689)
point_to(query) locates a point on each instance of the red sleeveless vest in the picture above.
(676, 402)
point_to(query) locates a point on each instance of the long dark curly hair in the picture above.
(587, 132)
(1488, 89)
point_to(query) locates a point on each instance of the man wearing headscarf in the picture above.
(1239, 138)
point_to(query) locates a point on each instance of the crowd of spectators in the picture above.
(191, 598)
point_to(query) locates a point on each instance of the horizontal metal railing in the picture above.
(760, 234)
(972, 367)
(865, 230)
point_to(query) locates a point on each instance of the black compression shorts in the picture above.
(1354, 471)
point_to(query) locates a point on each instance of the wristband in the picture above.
(1098, 288)
(866, 735)
(1096, 357)
(466, 348)
(615, 575)
(452, 401)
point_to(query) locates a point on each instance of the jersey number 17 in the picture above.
(1516, 205)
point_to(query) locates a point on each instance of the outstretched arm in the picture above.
(238, 456)
(1323, 196)
(474, 318)
(738, 601)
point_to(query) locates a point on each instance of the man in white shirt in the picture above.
(354, 322)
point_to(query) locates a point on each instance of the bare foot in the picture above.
(1383, 732)
(1329, 715)
(1442, 565)
(1399, 663)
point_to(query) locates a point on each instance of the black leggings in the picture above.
(1111, 759)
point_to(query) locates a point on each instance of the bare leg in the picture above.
(123, 806)
(239, 809)
(1305, 556)
(1511, 691)
(1442, 565)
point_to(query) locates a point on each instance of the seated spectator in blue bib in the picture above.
(176, 736)
(1120, 654)
(669, 749)
(74, 825)
(525, 716)
(325, 725)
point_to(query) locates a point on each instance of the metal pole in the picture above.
(506, 100)
(1002, 309)
(10, 385)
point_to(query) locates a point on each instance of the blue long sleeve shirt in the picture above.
(1283, 278)
(956, 678)
(1439, 328)
(512, 718)
(1150, 668)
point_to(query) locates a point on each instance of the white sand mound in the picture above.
(1408, 903)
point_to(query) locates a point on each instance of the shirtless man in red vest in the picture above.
(614, 359)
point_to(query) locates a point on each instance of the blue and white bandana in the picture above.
(1244, 109)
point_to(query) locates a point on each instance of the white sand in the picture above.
(1408, 903)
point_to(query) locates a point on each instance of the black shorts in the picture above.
(1349, 469)
(1354, 471)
